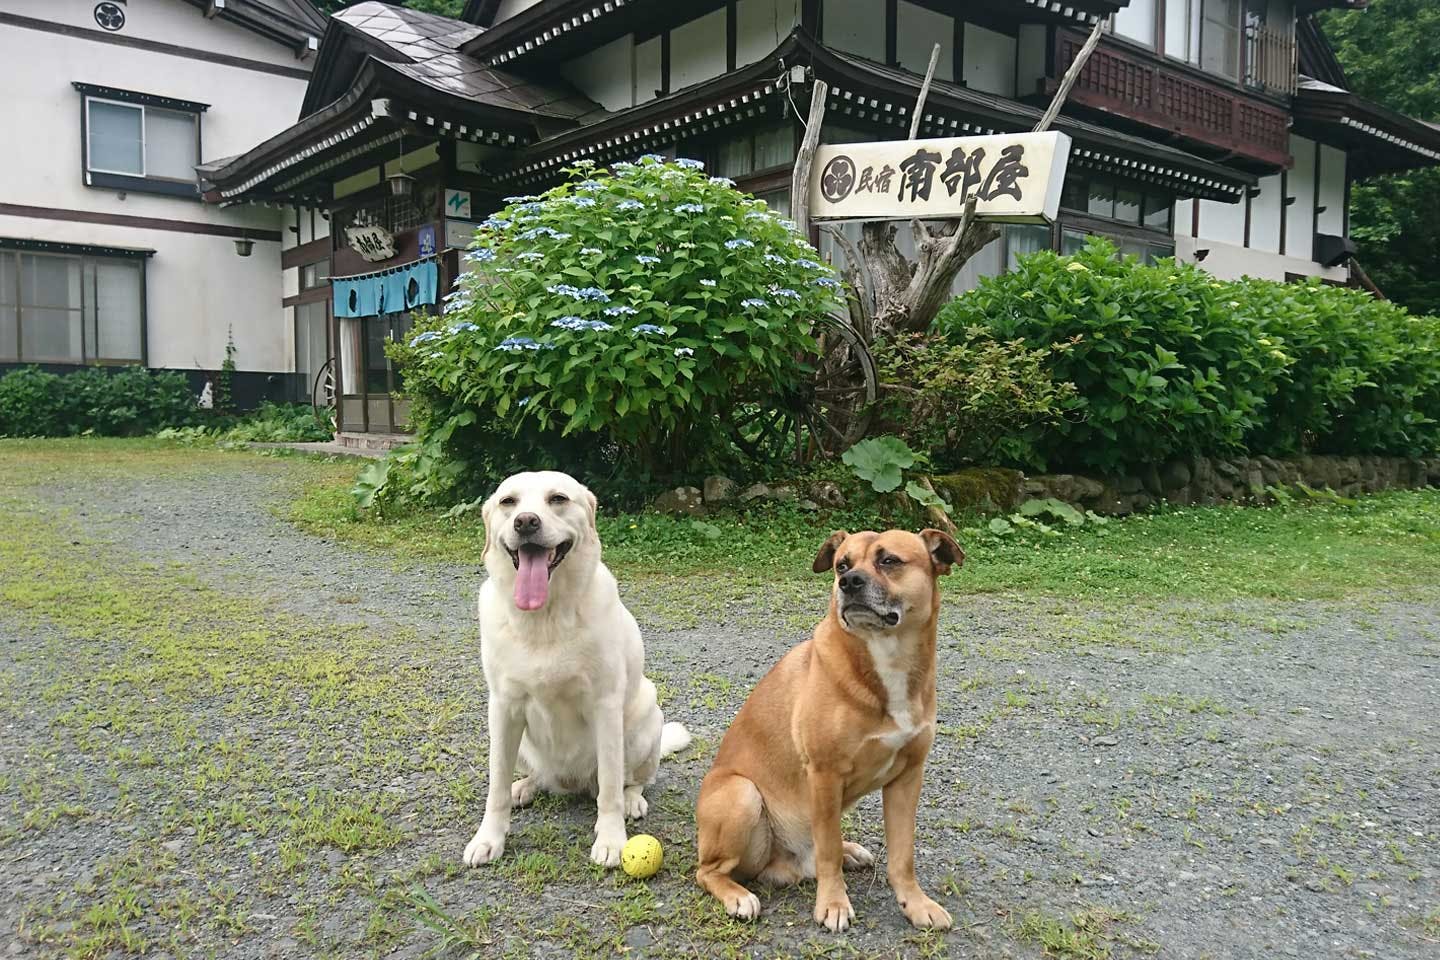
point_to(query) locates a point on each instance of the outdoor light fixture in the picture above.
(1202, 254)
(401, 183)
(244, 245)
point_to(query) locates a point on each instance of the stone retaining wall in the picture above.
(1196, 480)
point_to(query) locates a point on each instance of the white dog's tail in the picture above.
(673, 738)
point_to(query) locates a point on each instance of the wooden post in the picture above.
(924, 92)
(805, 160)
(1071, 75)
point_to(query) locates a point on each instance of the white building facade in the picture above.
(108, 255)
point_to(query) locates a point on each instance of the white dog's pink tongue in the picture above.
(532, 580)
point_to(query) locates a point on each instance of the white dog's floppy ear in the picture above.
(486, 509)
(592, 509)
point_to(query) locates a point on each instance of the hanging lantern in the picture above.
(244, 245)
(401, 184)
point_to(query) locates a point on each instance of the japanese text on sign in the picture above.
(1014, 177)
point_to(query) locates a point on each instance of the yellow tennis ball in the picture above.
(642, 856)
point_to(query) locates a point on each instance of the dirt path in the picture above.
(223, 737)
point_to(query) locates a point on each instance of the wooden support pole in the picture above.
(1071, 75)
(805, 160)
(924, 92)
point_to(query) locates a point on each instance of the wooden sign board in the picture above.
(1016, 176)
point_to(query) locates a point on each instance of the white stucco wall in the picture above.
(647, 70)
(508, 8)
(197, 286)
(857, 28)
(606, 74)
(917, 30)
(1265, 216)
(1136, 21)
(989, 61)
(1300, 215)
(1030, 47)
(760, 26)
(1222, 222)
(1332, 190)
(1229, 262)
(697, 50)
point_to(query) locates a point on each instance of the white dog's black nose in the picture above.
(527, 523)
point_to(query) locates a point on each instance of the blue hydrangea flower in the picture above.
(551, 232)
(690, 208)
(532, 207)
(497, 223)
(784, 292)
(589, 186)
(776, 259)
(593, 293)
(564, 290)
(684, 351)
(483, 255)
(464, 327)
(647, 328)
(788, 224)
(559, 236)
(722, 181)
(827, 283)
(689, 164)
(738, 243)
(753, 303)
(516, 344)
(425, 337)
(582, 201)
(809, 264)
(524, 199)
(620, 310)
(531, 255)
(642, 258)
(622, 165)
(707, 283)
(756, 215)
(652, 158)
(629, 205)
(589, 251)
(575, 323)
(522, 401)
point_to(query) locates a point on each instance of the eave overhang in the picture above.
(383, 106)
(300, 30)
(878, 96)
(1377, 140)
(558, 29)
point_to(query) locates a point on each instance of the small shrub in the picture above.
(1163, 362)
(281, 423)
(130, 402)
(624, 316)
(969, 400)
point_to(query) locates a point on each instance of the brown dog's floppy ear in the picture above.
(825, 559)
(944, 551)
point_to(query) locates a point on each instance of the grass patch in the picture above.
(1318, 551)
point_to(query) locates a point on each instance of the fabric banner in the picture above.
(397, 290)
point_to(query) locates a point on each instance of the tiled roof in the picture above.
(427, 48)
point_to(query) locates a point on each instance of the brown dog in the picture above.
(847, 712)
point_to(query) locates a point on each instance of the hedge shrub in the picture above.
(622, 314)
(1168, 361)
(124, 403)
(1163, 361)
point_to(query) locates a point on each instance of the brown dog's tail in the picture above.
(673, 738)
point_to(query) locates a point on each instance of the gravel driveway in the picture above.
(223, 737)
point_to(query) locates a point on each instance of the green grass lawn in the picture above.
(1316, 550)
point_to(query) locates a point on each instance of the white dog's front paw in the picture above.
(485, 846)
(636, 806)
(609, 842)
(522, 792)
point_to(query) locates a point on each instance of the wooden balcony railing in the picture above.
(1270, 60)
(1178, 100)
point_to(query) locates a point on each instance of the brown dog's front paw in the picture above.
(925, 913)
(834, 913)
(743, 905)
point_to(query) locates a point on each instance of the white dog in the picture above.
(565, 666)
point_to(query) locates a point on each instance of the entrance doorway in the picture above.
(368, 379)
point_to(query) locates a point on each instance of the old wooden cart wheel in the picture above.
(824, 414)
(322, 393)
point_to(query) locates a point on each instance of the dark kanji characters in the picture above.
(918, 174)
(962, 171)
(867, 181)
(872, 182)
(1005, 174)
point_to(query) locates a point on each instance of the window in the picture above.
(139, 142)
(1220, 38)
(312, 342)
(751, 153)
(1022, 239)
(70, 309)
(1098, 197)
(314, 275)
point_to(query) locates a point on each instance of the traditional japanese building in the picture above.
(107, 253)
(1217, 131)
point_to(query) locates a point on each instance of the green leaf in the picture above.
(879, 460)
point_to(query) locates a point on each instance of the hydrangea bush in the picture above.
(638, 305)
